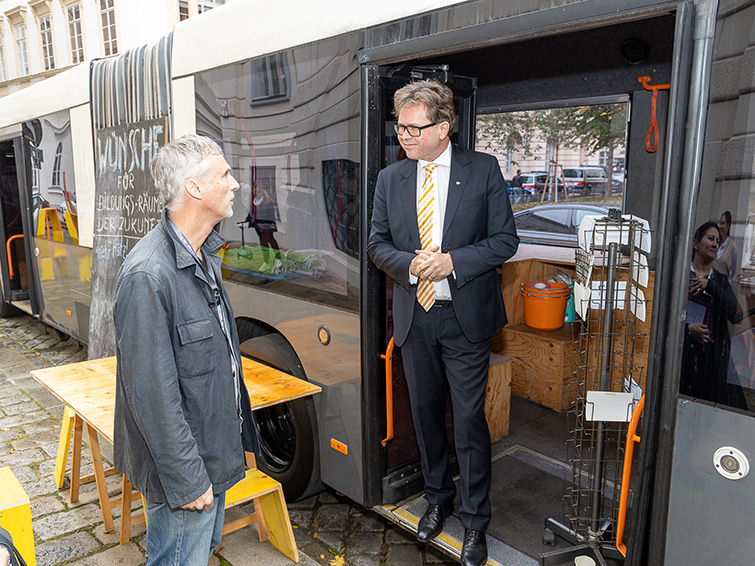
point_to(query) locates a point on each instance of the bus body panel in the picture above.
(334, 366)
(239, 30)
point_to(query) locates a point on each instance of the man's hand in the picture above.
(202, 503)
(431, 265)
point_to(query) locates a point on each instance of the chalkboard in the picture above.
(127, 206)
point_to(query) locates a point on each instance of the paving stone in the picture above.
(64, 549)
(13, 400)
(22, 458)
(332, 539)
(24, 474)
(126, 555)
(43, 426)
(42, 486)
(435, 556)
(24, 418)
(366, 560)
(300, 518)
(55, 525)
(10, 433)
(51, 448)
(308, 503)
(327, 497)
(332, 517)
(403, 555)
(45, 505)
(4, 449)
(398, 535)
(35, 441)
(367, 522)
(364, 543)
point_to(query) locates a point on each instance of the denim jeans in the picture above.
(177, 537)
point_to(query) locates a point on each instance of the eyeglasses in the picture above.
(414, 131)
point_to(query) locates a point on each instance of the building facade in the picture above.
(39, 38)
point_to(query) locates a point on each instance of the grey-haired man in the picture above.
(182, 414)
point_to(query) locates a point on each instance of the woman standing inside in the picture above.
(727, 257)
(711, 305)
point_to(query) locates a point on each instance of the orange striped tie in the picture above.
(425, 209)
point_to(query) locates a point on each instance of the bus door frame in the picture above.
(22, 176)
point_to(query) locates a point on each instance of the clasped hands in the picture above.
(430, 265)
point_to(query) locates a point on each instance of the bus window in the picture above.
(289, 125)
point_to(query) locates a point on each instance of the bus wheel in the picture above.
(287, 433)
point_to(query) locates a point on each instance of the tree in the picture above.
(510, 131)
(603, 127)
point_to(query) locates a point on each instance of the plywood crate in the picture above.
(498, 396)
(15, 515)
(542, 362)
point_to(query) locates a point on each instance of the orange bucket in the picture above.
(544, 304)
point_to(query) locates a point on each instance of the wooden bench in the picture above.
(88, 391)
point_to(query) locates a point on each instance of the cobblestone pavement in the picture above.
(330, 530)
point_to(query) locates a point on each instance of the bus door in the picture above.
(704, 499)
(15, 255)
(402, 474)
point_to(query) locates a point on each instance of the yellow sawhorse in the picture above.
(15, 515)
(73, 425)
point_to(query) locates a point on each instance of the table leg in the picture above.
(99, 478)
(78, 425)
(125, 510)
(66, 428)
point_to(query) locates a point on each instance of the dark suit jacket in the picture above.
(478, 232)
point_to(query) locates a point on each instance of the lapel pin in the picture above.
(458, 182)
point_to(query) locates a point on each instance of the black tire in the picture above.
(289, 446)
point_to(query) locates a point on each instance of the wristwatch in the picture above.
(4, 553)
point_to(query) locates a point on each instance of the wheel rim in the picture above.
(276, 432)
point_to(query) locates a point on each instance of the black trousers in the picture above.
(436, 352)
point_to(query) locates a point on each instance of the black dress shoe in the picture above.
(431, 523)
(475, 549)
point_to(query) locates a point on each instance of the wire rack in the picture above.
(613, 267)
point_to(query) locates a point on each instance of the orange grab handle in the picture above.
(388, 357)
(632, 439)
(653, 129)
(7, 248)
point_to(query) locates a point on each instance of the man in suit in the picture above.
(441, 224)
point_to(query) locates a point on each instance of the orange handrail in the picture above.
(388, 357)
(632, 439)
(7, 248)
(653, 129)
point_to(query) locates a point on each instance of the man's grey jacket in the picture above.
(176, 423)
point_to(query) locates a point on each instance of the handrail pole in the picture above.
(632, 439)
(388, 357)
(10, 260)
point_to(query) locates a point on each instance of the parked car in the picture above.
(536, 182)
(556, 224)
(585, 180)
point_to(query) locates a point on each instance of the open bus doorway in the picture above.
(532, 469)
(15, 265)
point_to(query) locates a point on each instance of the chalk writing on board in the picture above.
(127, 206)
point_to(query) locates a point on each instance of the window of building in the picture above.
(45, 34)
(75, 33)
(56, 166)
(183, 10)
(22, 53)
(2, 59)
(109, 36)
(205, 5)
(270, 79)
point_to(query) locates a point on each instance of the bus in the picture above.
(300, 99)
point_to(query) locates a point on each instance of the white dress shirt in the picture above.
(441, 176)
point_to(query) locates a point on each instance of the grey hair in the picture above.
(437, 99)
(182, 159)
